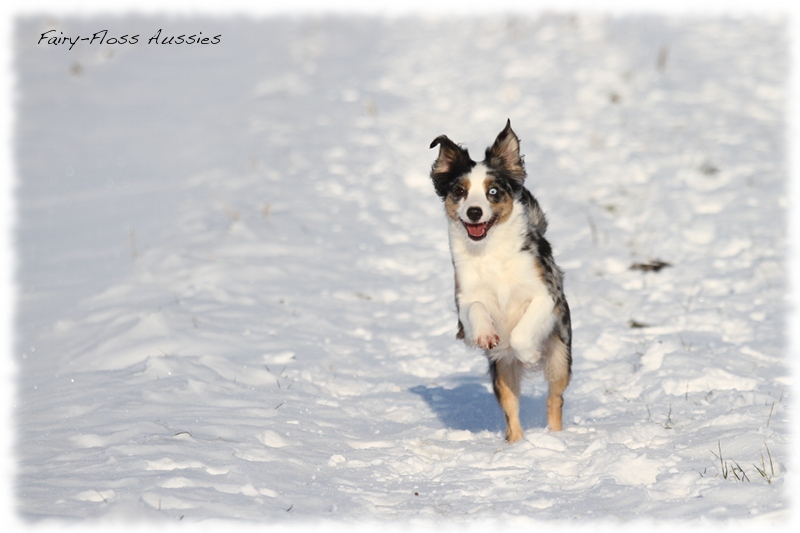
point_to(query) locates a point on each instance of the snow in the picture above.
(235, 291)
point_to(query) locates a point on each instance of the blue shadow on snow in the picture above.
(470, 406)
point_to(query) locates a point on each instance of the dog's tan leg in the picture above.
(557, 373)
(555, 402)
(506, 378)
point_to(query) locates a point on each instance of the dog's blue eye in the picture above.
(493, 192)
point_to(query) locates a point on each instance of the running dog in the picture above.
(509, 292)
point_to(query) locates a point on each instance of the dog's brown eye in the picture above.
(459, 192)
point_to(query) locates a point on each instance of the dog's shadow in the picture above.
(470, 406)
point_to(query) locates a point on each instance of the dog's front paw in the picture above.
(480, 326)
(523, 347)
(520, 340)
(488, 340)
(486, 336)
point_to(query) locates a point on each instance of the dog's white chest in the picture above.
(500, 275)
(510, 278)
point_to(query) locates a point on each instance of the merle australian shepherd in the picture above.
(509, 291)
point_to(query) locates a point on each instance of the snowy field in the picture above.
(235, 296)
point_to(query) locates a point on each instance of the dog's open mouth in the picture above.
(477, 232)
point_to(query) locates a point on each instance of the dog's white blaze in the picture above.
(500, 290)
(476, 196)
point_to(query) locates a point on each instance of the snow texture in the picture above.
(235, 296)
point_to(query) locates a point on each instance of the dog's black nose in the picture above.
(474, 214)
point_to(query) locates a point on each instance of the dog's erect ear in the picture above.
(451, 155)
(453, 161)
(504, 154)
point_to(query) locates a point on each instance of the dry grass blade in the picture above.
(654, 265)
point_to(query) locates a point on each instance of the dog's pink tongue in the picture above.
(476, 230)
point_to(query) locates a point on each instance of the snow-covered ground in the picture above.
(235, 290)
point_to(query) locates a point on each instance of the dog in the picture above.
(509, 291)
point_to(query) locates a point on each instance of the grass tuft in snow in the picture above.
(729, 468)
(763, 469)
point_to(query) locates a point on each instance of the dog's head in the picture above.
(479, 195)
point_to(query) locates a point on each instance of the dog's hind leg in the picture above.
(557, 371)
(506, 375)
